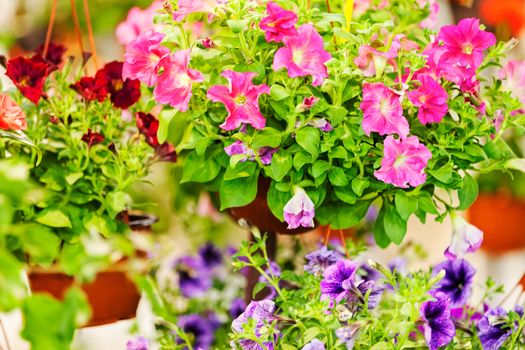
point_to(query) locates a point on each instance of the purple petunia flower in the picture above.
(374, 295)
(237, 307)
(438, 327)
(319, 260)
(201, 328)
(137, 343)
(261, 312)
(211, 255)
(338, 280)
(347, 335)
(315, 344)
(458, 280)
(494, 329)
(266, 154)
(194, 277)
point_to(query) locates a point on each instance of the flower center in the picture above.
(400, 161)
(240, 99)
(25, 80)
(384, 107)
(297, 56)
(118, 84)
(468, 48)
(423, 99)
(184, 79)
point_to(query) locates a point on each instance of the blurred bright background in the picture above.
(182, 212)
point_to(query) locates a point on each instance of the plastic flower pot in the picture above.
(112, 295)
(500, 217)
(258, 214)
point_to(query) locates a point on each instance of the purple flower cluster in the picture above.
(339, 283)
(200, 328)
(261, 314)
(319, 260)
(195, 272)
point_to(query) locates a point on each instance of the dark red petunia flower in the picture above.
(91, 88)
(123, 93)
(54, 57)
(28, 76)
(92, 138)
(148, 126)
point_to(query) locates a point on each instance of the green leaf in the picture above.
(277, 200)
(267, 137)
(199, 169)
(309, 138)
(345, 194)
(337, 114)
(344, 216)
(12, 285)
(244, 169)
(278, 92)
(236, 25)
(238, 192)
(337, 176)
(73, 177)
(300, 159)
(53, 218)
(258, 287)
(319, 168)
(281, 164)
(165, 118)
(40, 243)
(380, 235)
(468, 192)
(395, 226)
(359, 184)
(426, 204)
(310, 334)
(443, 173)
(116, 202)
(405, 205)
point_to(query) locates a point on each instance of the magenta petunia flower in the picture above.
(187, 7)
(466, 238)
(300, 210)
(138, 21)
(465, 42)
(279, 23)
(241, 99)
(303, 55)
(174, 84)
(143, 56)
(431, 99)
(404, 162)
(382, 111)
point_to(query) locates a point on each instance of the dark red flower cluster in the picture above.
(148, 126)
(108, 80)
(92, 138)
(29, 74)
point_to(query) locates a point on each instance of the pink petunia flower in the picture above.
(382, 111)
(432, 20)
(138, 21)
(404, 162)
(279, 23)
(465, 43)
(431, 99)
(303, 55)
(187, 7)
(12, 117)
(300, 210)
(513, 77)
(175, 82)
(372, 61)
(466, 238)
(143, 56)
(241, 99)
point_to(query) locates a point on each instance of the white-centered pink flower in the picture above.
(513, 77)
(431, 98)
(187, 7)
(174, 84)
(303, 55)
(241, 99)
(300, 210)
(382, 111)
(142, 57)
(466, 238)
(404, 162)
(138, 21)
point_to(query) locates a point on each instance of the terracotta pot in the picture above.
(259, 215)
(112, 295)
(500, 217)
